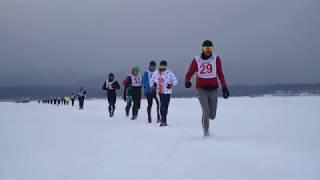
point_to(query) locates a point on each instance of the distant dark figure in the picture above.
(81, 96)
(72, 97)
(55, 100)
(67, 98)
(51, 101)
(64, 101)
(111, 85)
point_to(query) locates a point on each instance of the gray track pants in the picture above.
(208, 100)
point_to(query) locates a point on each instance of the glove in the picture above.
(169, 86)
(225, 93)
(188, 84)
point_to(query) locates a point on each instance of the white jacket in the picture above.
(162, 80)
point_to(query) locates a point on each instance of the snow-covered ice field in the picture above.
(263, 137)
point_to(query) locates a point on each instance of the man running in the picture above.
(134, 82)
(111, 85)
(81, 96)
(209, 69)
(150, 94)
(164, 80)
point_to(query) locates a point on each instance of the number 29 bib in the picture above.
(206, 68)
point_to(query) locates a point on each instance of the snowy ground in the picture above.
(266, 137)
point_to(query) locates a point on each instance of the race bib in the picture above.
(136, 80)
(109, 85)
(206, 68)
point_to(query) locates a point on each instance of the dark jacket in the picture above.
(82, 94)
(111, 91)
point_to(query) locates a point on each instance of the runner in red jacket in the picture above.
(208, 68)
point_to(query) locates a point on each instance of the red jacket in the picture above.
(212, 82)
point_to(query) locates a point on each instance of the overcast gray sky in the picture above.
(62, 42)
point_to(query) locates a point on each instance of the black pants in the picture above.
(164, 104)
(150, 97)
(81, 102)
(72, 102)
(136, 99)
(112, 98)
(128, 106)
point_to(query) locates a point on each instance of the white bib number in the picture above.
(206, 68)
(109, 85)
(136, 80)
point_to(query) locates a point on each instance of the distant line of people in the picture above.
(66, 99)
(56, 100)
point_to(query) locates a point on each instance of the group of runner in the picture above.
(66, 99)
(160, 82)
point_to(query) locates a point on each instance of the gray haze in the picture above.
(66, 42)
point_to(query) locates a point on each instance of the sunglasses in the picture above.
(207, 49)
(162, 67)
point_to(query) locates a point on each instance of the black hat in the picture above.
(163, 63)
(207, 43)
(111, 75)
(153, 63)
